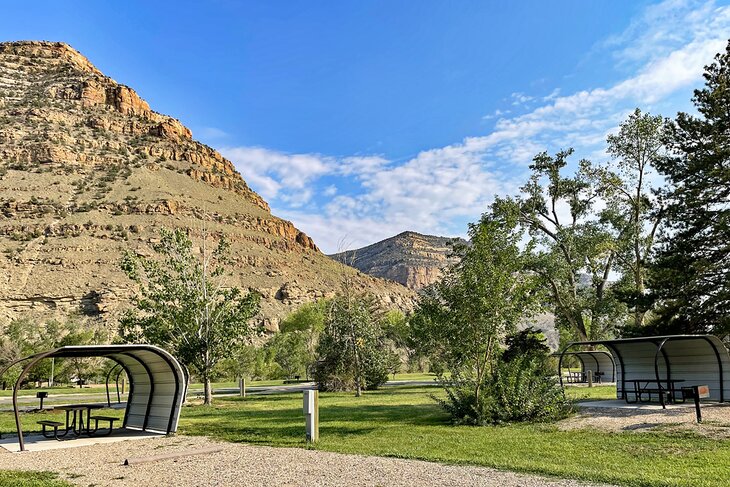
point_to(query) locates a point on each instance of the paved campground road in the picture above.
(60, 398)
(302, 386)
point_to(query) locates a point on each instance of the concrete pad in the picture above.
(38, 442)
(621, 404)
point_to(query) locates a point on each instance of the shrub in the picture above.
(351, 354)
(519, 387)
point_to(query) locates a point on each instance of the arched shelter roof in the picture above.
(157, 382)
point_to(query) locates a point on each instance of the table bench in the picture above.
(96, 419)
(51, 424)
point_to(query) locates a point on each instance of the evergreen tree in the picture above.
(692, 273)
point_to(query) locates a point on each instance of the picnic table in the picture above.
(582, 377)
(665, 389)
(77, 426)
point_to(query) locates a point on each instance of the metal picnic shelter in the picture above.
(664, 365)
(157, 383)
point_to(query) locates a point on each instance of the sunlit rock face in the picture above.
(410, 258)
(88, 169)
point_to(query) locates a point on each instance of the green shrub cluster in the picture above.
(520, 387)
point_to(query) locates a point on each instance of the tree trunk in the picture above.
(358, 375)
(208, 391)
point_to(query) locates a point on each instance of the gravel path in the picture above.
(715, 420)
(244, 465)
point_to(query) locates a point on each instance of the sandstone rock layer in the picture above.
(409, 258)
(88, 169)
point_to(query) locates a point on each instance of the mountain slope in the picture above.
(87, 169)
(409, 258)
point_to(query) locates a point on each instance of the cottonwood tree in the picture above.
(308, 320)
(24, 337)
(633, 208)
(183, 303)
(692, 272)
(574, 249)
(461, 320)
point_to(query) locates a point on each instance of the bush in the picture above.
(520, 387)
(351, 354)
(514, 391)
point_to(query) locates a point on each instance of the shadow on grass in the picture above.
(270, 420)
(411, 414)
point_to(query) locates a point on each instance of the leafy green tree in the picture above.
(463, 318)
(692, 272)
(183, 304)
(397, 329)
(308, 321)
(573, 247)
(23, 337)
(351, 354)
(308, 317)
(633, 208)
(249, 361)
(290, 352)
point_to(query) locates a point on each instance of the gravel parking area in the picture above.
(245, 465)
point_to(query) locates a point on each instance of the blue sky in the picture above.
(361, 119)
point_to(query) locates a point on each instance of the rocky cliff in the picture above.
(88, 169)
(410, 258)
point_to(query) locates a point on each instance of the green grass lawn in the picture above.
(405, 422)
(15, 478)
(413, 376)
(416, 376)
(594, 393)
(195, 386)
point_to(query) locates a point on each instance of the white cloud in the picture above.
(663, 27)
(359, 165)
(553, 95)
(520, 99)
(271, 172)
(439, 189)
(496, 114)
(211, 133)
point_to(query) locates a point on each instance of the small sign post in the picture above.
(697, 393)
(311, 414)
(700, 392)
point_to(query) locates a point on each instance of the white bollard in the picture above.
(242, 386)
(311, 414)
